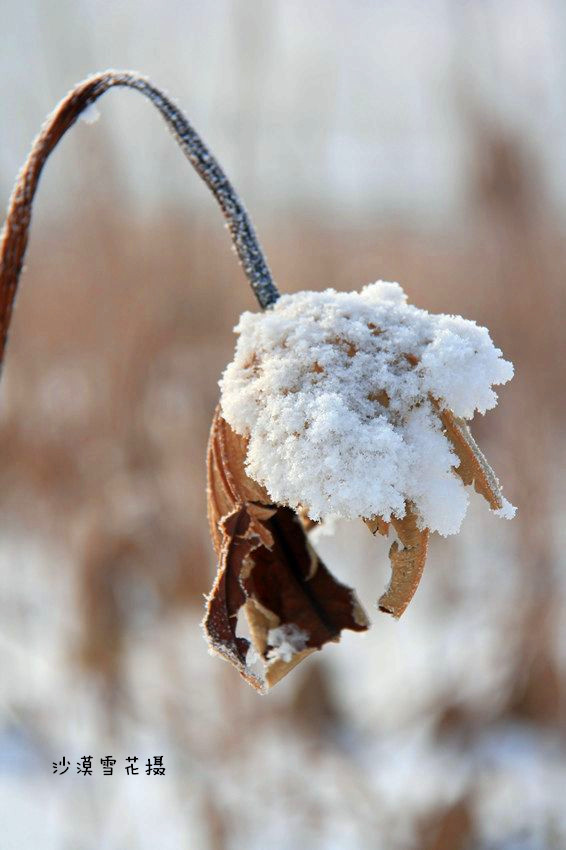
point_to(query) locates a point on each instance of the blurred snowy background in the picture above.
(418, 142)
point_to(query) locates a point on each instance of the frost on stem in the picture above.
(354, 405)
(80, 101)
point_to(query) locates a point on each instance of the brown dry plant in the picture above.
(267, 570)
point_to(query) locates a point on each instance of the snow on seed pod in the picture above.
(354, 404)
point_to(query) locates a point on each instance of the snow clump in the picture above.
(337, 393)
(286, 641)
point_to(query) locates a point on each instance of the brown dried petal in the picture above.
(267, 571)
(407, 564)
(473, 467)
(377, 524)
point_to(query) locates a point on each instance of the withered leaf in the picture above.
(407, 563)
(473, 467)
(267, 572)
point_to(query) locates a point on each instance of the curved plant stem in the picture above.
(16, 228)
